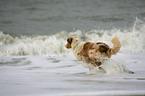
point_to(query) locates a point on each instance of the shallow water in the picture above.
(41, 65)
(65, 76)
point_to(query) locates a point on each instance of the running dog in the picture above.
(92, 53)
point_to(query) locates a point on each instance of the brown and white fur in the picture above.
(93, 53)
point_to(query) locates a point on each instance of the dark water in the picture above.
(43, 17)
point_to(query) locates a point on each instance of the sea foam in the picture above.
(132, 41)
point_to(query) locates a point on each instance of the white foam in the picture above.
(133, 41)
(32, 46)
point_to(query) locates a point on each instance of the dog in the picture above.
(93, 53)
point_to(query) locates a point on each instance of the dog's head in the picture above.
(70, 41)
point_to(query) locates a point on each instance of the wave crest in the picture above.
(133, 41)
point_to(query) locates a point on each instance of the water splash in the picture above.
(108, 67)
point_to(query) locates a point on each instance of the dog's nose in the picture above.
(68, 46)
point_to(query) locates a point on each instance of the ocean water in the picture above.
(35, 62)
(45, 17)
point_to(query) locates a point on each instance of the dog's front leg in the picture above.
(88, 60)
(85, 59)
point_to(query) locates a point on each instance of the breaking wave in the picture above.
(133, 41)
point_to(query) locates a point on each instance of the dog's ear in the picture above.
(69, 40)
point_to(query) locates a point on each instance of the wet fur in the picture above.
(92, 52)
(101, 47)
